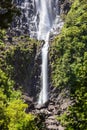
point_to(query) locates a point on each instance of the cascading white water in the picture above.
(45, 24)
(45, 19)
(44, 91)
(41, 18)
(46, 11)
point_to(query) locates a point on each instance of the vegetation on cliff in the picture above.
(14, 64)
(69, 64)
(7, 11)
(12, 107)
(18, 60)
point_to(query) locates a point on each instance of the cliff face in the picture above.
(23, 59)
(28, 21)
(21, 62)
(20, 59)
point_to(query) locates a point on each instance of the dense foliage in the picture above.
(15, 63)
(7, 11)
(69, 64)
(13, 114)
(12, 108)
(18, 60)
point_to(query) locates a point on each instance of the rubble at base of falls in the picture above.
(57, 104)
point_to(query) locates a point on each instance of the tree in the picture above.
(12, 108)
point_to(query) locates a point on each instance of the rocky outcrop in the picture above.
(58, 103)
(65, 6)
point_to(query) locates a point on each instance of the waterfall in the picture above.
(41, 19)
(44, 27)
(46, 20)
(43, 97)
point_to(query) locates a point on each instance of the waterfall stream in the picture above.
(45, 24)
(41, 19)
(43, 97)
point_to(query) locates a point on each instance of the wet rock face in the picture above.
(22, 23)
(28, 21)
(65, 6)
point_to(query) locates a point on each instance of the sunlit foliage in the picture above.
(70, 63)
